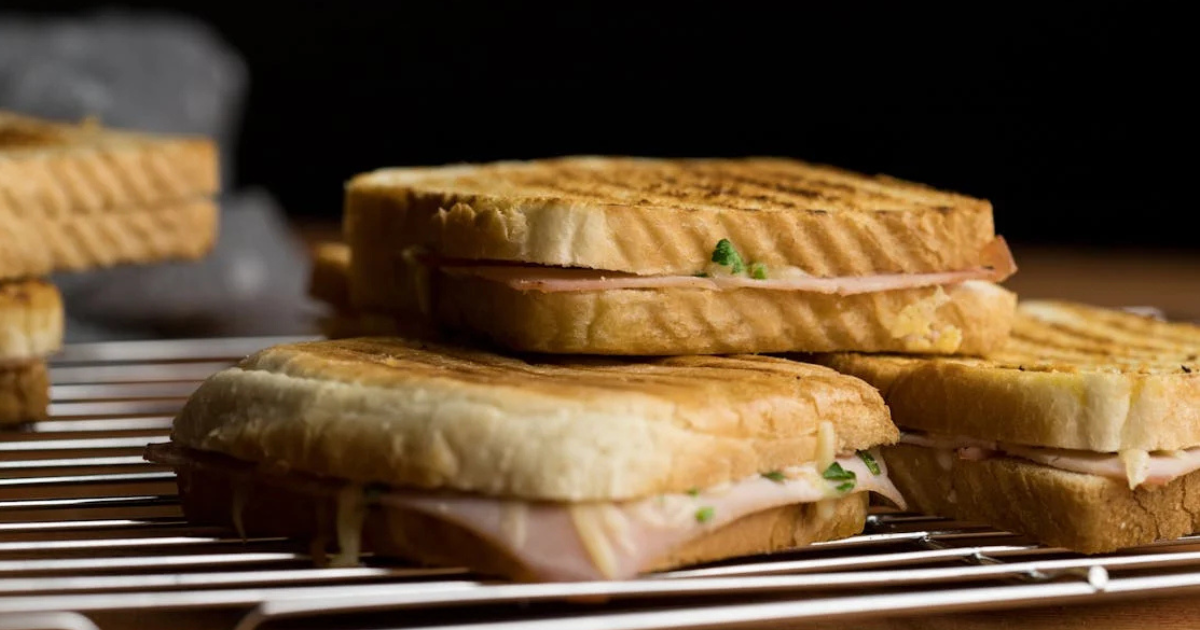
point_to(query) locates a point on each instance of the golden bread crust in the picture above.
(275, 510)
(186, 230)
(1084, 513)
(660, 217)
(427, 416)
(52, 171)
(1071, 376)
(31, 320)
(970, 318)
(329, 278)
(24, 392)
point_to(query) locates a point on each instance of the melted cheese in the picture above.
(351, 512)
(590, 529)
(240, 487)
(1137, 466)
(826, 445)
(514, 521)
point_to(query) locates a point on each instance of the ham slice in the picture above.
(563, 541)
(591, 541)
(998, 265)
(1138, 468)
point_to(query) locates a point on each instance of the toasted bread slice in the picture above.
(24, 391)
(658, 217)
(426, 416)
(329, 279)
(80, 196)
(31, 320)
(182, 231)
(1071, 376)
(1084, 513)
(969, 318)
(54, 170)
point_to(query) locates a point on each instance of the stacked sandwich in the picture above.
(517, 425)
(76, 197)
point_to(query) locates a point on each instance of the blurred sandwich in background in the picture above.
(79, 196)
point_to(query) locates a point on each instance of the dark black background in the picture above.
(1076, 123)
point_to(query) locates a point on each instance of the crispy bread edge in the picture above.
(31, 319)
(1083, 513)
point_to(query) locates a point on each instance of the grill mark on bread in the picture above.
(1039, 345)
(1096, 336)
(14, 135)
(804, 186)
(691, 181)
(89, 169)
(1122, 321)
(652, 217)
(671, 372)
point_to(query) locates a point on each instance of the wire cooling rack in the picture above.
(91, 536)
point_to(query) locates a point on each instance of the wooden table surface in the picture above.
(1169, 280)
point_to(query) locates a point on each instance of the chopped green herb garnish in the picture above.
(846, 486)
(705, 514)
(872, 465)
(758, 271)
(835, 472)
(775, 475)
(694, 492)
(725, 255)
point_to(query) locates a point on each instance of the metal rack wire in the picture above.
(91, 536)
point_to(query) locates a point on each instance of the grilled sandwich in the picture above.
(75, 197)
(1083, 432)
(31, 328)
(542, 469)
(623, 256)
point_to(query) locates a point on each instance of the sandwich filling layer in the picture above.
(727, 272)
(1137, 467)
(570, 541)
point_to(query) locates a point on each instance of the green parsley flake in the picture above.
(775, 475)
(726, 256)
(705, 514)
(835, 472)
(872, 465)
(694, 492)
(758, 271)
(845, 487)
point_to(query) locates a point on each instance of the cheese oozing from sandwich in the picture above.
(1137, 467)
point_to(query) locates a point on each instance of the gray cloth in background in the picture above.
(164, 73)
